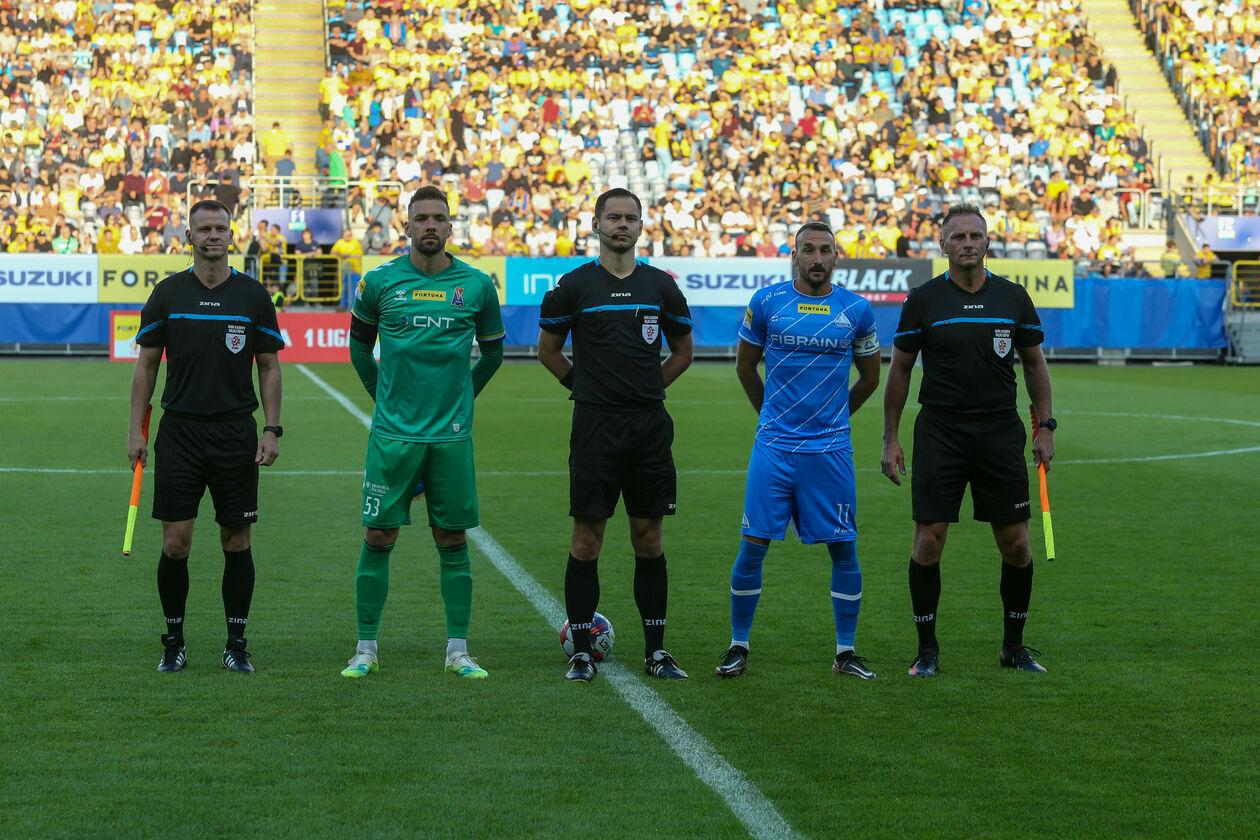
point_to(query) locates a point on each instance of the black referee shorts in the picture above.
(192, 455)
(952, 450)
(621, 453)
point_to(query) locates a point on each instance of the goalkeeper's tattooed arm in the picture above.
(362, 340)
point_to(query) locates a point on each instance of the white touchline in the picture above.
(1183, 456)
(747, 803)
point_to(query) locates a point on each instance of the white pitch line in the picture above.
(749, 805)
(1186, 456)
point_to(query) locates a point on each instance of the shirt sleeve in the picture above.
(1028, 330)
(489, 315)
(677, 320)
(268, 339)
(909, 335)
(753, 329)
(556, 314)
(865, 338)
(153, 324)
(365, 306)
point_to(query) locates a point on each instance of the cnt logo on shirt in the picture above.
(651, 329)
(235, 337)
(1001, 342)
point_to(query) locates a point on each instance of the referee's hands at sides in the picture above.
(268, 449)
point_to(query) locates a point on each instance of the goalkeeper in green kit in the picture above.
(426, 307)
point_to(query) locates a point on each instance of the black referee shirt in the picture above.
(616, 325)
(967, 341)
(211, 337)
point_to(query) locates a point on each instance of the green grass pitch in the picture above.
(1144, 727)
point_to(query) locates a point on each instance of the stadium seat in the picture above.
(1016, 251)
(1037, 250)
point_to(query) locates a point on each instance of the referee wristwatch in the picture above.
(1049, 423)
(278, 431)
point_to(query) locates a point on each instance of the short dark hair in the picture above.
(616, 192)
(208, 204)
(815, 225)
(963, 209)
(429, 193)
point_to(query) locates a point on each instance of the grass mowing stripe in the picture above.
(750, 806)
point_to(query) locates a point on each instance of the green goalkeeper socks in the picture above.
(456, 585)
(371, 588)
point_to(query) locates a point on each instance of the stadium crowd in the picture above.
(738, 121)
(735, 122)
(1211, 50)
(109, 110)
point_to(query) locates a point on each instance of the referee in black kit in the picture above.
(968, 324)
(617, 309)
(213, 322)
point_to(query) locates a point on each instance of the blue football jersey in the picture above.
(809, 344)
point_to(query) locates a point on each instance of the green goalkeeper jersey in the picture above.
(426, 324)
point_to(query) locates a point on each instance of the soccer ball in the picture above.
(601, 638)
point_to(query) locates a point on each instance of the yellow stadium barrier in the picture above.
(1244, 292)
(310, 278)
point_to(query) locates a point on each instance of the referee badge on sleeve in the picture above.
(1001, 342)
(235, 338)
(651, 329)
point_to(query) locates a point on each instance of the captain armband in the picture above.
(866, 345)
(361, 331)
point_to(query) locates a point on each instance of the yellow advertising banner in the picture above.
(496, 267)
(123, 327)
(130, 279)
(1049, 282)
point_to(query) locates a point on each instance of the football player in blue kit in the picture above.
(801, 470)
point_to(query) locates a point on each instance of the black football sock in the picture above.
(581, 597)
(238, 589)
(651, 593)
(1016, 589)
(172, 580)
(925, 594)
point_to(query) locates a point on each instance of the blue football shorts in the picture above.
(814, 491)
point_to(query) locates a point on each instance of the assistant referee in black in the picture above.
(213, 322)
(617, 309)
(969, 324)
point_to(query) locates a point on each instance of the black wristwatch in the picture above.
(1049, 423)
(278, 431)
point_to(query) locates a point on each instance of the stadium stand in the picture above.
(1211, 54)
(744, 120)
(108, 111)
(734, 122)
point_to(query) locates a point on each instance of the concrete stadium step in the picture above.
(1142, 83)
(289, 62)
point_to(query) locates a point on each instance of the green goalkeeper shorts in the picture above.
(395, 468)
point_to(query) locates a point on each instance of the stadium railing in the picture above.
(1244, 292)
(1216, 199)
(308, 278)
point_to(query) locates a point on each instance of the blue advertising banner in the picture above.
(528, 279)
(324, 225)
(1229, 233)
(48, 278)
(1110, 312)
